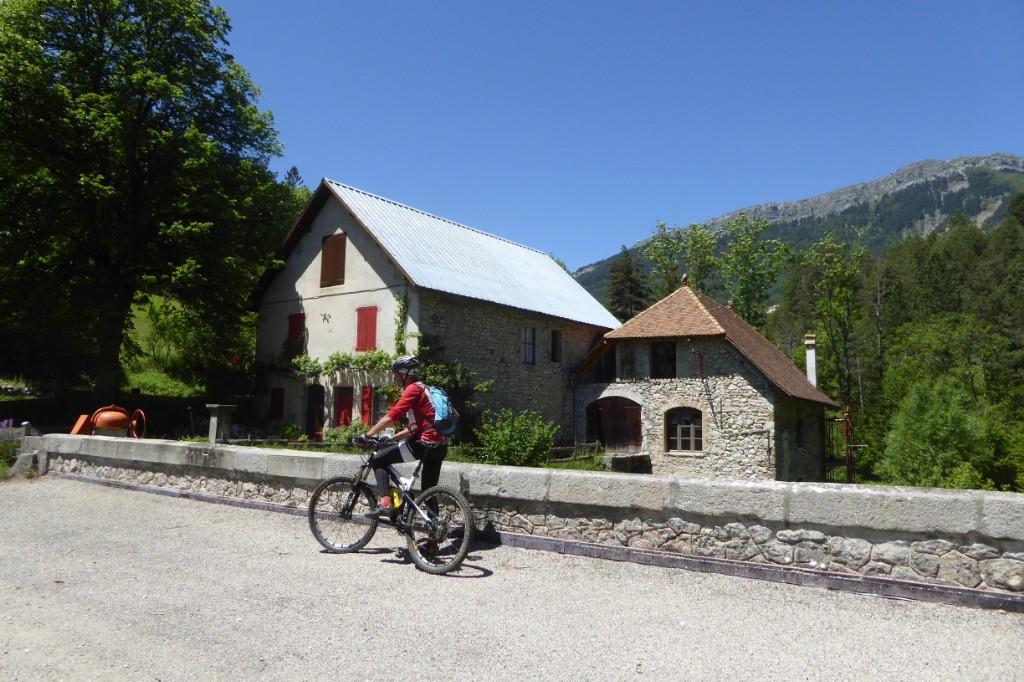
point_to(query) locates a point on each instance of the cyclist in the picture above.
(417, 441)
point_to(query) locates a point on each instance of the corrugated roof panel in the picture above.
(444, 256)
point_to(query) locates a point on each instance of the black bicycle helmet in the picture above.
(406, 363)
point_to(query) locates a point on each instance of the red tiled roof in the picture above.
(686, 313)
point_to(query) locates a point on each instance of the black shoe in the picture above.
(379, 512)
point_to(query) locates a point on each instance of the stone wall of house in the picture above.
(488, 339)
(799, 432)
(735, 401)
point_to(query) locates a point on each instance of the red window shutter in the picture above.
(343, 405)
(277, 403)
(366, 328)
(296, 325)
(366, 408)
(332, 260)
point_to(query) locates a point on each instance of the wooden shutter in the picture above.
(342, 405)
(366, 406)
(296, 325)
(366, 328)
(332, 261)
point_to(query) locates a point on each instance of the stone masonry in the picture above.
(737, 406)
(487, 339)
(971, 539)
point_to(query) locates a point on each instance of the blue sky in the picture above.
(573, 127)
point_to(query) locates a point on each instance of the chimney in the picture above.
(810, 342)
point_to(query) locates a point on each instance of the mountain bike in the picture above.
(437, 523)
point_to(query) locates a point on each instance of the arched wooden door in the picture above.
(615, 423)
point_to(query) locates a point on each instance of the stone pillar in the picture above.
(220, 422)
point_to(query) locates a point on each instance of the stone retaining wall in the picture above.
(964, 538)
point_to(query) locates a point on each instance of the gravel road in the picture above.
(103, 583)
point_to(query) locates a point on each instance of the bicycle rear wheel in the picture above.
(440, 544)
(337, 514)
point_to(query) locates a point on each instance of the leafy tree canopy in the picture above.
(135, 163)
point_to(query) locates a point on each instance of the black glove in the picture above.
(361, 439)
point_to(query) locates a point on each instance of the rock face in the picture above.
(949, 188)
(952, 171)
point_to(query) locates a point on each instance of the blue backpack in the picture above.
(446, 418)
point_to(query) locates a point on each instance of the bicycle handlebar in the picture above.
(371, 443)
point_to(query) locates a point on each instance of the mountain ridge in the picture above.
(919, 196)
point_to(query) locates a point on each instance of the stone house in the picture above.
(691, 385)
(364, 273)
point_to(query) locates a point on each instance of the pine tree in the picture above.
(627, 293)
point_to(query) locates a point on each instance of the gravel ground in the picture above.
(103, 583)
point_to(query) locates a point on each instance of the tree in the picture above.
(663, 251)
(751, 265)
(135, 163)
(698, 249)
(627, 292)
(939, 438)
(832, 277)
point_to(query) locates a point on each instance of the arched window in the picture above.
(683, 430)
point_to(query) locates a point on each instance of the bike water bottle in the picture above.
(396, 499)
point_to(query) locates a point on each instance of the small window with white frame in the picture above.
(684, 433)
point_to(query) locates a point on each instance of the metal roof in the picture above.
(441, 255)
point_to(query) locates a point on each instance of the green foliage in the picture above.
(9, 450)
(826, 280)
(663, 251)
(401, 323)
(939, 438)
(436, 369)
(370, 361)
(559, 262)
(702, 267)
(307, 366)
(627, 292)
(290, 432)
(522, 439)
(751, 265)
(343, 435)
(126, 172)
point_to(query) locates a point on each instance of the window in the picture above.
(556, 345)
(296, 342)
(332, 261)
(627, 361)
(366, 328)
(663, 360)
(530, 345)
(683, 432)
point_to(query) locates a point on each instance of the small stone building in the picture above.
(691, 385)
(364, 273)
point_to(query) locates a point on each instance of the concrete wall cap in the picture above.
(765, 500)
(910, 510)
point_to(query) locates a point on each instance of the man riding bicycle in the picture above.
(417, 441)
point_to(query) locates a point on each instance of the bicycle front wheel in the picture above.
(337, 514)
(440, 543)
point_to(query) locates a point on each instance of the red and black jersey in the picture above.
(417, 412)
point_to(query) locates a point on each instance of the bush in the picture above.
(289, 432)
(512, 439)
(344, 434)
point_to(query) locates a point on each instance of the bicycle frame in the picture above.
(395, 477)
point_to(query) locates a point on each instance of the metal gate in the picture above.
(840, 465)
